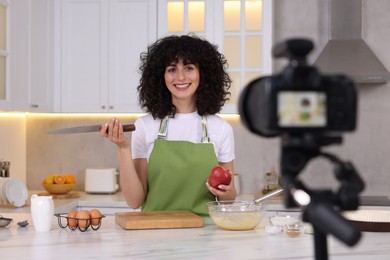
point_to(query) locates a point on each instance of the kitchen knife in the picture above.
(87, 129)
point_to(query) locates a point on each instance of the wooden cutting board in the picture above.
(158, 219)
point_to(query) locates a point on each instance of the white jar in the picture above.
(42, 212)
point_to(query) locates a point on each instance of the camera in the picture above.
(299, 99)
(308, 110)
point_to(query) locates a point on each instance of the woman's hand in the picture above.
(224, 192)
(114, 132)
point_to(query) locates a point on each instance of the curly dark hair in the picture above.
(155, 98)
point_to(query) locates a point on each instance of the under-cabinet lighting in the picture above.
(12, 114)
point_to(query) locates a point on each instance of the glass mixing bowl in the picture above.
(236, 215)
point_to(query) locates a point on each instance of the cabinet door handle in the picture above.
(111, 107)
(103, 107)
(34, 105)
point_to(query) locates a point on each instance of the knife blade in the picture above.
(87, 129)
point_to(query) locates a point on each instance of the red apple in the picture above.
(219, 175)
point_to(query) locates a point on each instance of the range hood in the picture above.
(346, 52)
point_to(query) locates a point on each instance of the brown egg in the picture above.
(95, 216)
(72, 221)
(83, 218)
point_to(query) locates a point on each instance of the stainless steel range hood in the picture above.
(346, 52)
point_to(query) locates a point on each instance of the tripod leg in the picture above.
(320, 245)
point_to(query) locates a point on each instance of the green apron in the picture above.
(177, 173)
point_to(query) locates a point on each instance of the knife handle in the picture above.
(128, 128)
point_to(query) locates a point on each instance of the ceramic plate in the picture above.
(16, 192)
(3, 198)
(370, 220)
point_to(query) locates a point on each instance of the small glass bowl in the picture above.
(283, 220)
(273, 229)
(294, 230)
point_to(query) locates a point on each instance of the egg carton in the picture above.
(78, 223)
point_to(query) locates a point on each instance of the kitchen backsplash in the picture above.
(13, 143)
(76, 152)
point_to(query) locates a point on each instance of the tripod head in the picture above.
(321, 207)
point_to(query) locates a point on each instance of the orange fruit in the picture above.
(59, 179)
(69, 178)
(49, 179)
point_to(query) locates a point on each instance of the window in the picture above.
(243, 36)
(241, 28)
(186, 16)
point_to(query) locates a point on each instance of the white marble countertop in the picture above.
(209, 242)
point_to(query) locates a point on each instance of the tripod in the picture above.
(320, 207)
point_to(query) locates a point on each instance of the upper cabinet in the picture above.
(32, 67)
(26, 55)
(4, 53)
(242, 30)
(101, 41)
(83, 55)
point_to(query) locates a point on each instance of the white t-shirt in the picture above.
(184, 127)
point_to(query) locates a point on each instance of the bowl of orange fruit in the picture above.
(59, 183)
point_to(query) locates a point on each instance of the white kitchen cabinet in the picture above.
(242, 30)
(101, 41)
(31, 55)
(4, 53)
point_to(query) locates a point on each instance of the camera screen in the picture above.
(301, 109)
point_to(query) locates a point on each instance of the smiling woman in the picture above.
(183, 85)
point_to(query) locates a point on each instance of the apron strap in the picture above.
(205, 138)
(162, 133)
